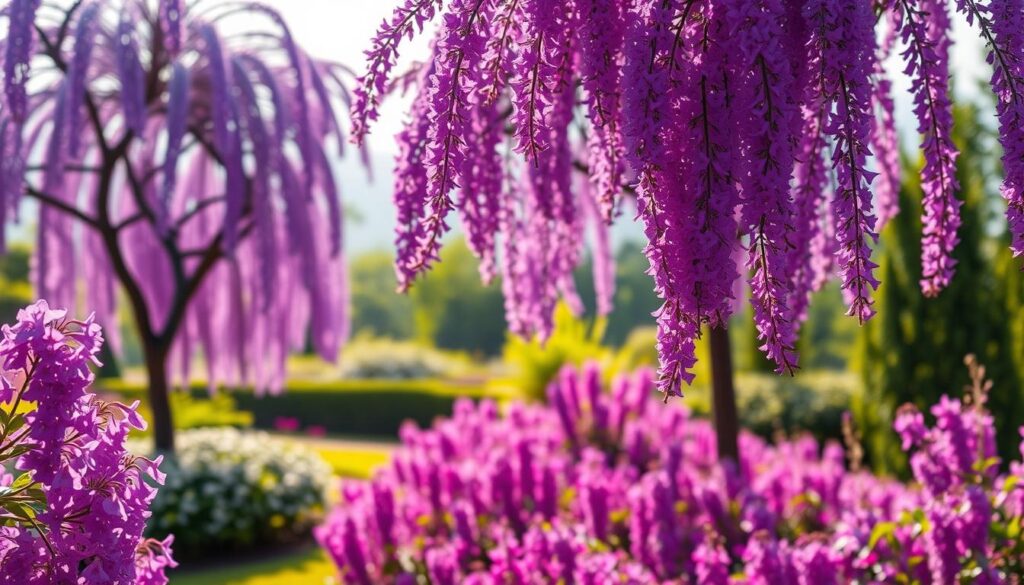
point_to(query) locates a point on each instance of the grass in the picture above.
(355, 463)
(308, 566)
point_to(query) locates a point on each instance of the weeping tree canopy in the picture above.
(187, 159)
(758, 138)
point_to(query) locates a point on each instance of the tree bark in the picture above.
(723, 396)
(159, 399)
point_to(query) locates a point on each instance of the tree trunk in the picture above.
(723, 396)
(159, 400)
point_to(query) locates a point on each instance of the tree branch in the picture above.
(210, 256)
(51, 201)
(201, 205)
(67, 167)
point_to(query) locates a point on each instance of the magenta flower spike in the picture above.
(555, 489)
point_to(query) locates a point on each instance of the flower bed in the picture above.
(231, 490)
(605, 487)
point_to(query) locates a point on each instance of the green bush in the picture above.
(191, 412)
(353, 407)
(15, 289)
(534, 363)
(231, 490)
(811, 401)
(366, 358)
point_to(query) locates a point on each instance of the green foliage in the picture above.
(301, 566)
(377, 309)
(634, 299)
(534, 363)
(353, 407)
(366, 358)
(22, 499)
(912, 350)
(192, 412)
(453, 310)
(812, 401)
(828, 335)
(15, 289)
(229, 490)
(641, 350)
(354, 463)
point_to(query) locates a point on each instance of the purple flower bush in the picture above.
(607, 486)
(77, 511)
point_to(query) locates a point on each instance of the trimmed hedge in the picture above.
(811, 401)
(350, 407)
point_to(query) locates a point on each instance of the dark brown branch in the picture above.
(51, 201)
(210, 255)
(75, 168)
(584, 168)
(201, 205)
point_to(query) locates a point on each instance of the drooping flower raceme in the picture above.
(77, 512)
(924, 27)
(704, 111)
(600, 486)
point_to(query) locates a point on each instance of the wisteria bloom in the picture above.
(764, 126)
(78, 511)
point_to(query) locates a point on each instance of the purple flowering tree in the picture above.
(77, 511)
(757, 140)
(186, 167)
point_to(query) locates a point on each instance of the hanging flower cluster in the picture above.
(599, 487)
(78, 509)
(190, 166)
(757, 137)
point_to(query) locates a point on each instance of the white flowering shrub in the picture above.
(398, 360)
(232, 489)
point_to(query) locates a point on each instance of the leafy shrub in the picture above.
(612, 487)
(534, 363)
(229, 489)
(371, 359)
(192, 412)
(812, 401)
(15, 289)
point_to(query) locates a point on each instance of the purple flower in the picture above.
(91, 521)
(766, 116)
(924, 27)
(407, 19)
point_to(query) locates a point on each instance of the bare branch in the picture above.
(50, 200)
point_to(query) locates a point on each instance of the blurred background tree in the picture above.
(15, 288)
(376, 309)
(452, 310)
(912, 350)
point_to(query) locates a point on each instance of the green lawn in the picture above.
(309, 566)
(355, 463)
